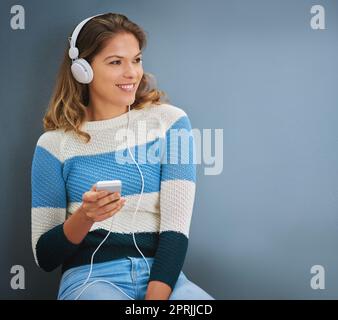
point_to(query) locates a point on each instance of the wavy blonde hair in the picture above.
(67, 106)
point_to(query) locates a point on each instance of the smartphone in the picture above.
(111, 186)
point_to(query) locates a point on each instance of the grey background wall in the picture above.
(255, 69)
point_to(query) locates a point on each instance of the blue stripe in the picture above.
(48, 187)
(81, 172)
(178, 159)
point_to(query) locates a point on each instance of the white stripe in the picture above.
(176, 202)
(147, 126)
(147, 218)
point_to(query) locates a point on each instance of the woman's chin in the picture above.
(129, 101)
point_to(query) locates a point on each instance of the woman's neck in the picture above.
(109, 112)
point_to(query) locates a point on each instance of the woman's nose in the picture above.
(130, 70)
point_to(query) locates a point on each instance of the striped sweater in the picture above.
(64, 167)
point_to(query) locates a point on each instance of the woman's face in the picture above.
(118, 63)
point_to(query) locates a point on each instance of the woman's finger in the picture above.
(109, 207)
(93, 196)
(109, 214)
(108, 198)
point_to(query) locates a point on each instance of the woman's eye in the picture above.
(138, 60)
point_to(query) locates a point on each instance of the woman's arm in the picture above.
(177, 192)
(77, 226)
(49, 243)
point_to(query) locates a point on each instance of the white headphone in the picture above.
(81, 69)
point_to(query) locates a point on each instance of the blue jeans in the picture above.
(129, 274)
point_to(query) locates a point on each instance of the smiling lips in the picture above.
(127, 87)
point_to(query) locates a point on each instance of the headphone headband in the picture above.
(73, 50)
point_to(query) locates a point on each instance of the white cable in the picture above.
(111, 225)
(139, 199)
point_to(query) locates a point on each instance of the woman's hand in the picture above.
(100, 205)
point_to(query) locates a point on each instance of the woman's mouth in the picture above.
(127, 87)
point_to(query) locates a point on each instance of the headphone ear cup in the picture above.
(82, 71)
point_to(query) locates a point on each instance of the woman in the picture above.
(101, 90)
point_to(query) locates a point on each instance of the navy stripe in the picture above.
(169, 257)
(53, 248)
(117, 245)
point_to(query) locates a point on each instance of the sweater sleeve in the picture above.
(177, 193)
(49, 243)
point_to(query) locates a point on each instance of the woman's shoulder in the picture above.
(51, 136)
(51, 141)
